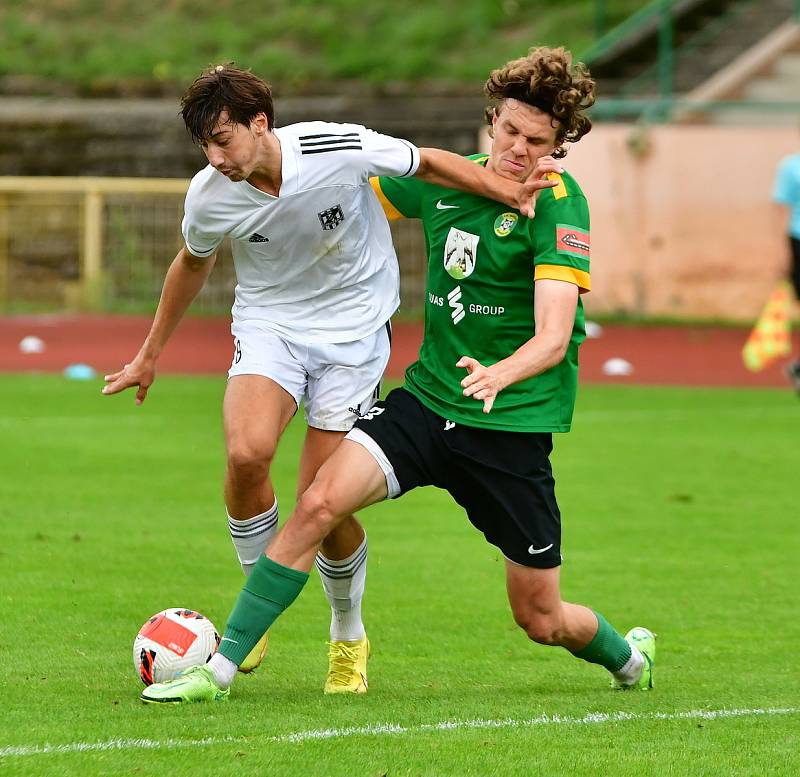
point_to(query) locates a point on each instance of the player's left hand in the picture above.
(481, 383)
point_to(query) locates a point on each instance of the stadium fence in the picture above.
(104, 244)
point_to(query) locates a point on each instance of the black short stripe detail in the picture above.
(331, 148)
(376, 394)
(328, 135)
(411, 165)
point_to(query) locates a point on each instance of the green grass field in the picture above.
(680, 513)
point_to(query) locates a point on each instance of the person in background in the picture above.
(786, 195)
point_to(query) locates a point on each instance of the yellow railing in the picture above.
(105, 244)
(93, 192)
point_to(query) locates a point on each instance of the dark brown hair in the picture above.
(546, 79)
(224, 88)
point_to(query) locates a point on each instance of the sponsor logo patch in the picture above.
(572, 241)
(457, 306)
(504, 224)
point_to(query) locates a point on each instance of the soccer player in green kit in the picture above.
(496, 376)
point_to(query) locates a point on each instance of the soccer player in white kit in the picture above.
(317, 282)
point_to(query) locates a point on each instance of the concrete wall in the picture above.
(682, 222)
(146, 138)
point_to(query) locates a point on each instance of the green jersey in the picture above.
(483, 259)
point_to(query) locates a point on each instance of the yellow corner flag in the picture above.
(770, 338)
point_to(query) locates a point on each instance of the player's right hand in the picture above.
(138, 373)
(537, 181)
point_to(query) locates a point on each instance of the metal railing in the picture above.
(93, 196)
(656, 9)
(657, 21)
(667, 109)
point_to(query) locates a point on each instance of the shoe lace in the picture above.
(341, 662)
(199, 670)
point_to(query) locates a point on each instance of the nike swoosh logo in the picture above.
(441, 206)
(533, 551)
(228, 639)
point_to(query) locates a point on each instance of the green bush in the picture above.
(300, 45)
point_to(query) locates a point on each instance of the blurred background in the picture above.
(698, 100)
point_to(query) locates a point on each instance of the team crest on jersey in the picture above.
(504, 224)
(460, 253)
(332, 217)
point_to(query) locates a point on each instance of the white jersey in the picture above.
(315, 264)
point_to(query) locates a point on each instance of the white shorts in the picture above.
(337, 382)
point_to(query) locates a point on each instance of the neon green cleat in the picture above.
(347, 666)
(645, 642)
(254, 658)
(195, 684)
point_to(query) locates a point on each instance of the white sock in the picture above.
(223, 669)
(344, 583)
(252, 536)
(633, 668)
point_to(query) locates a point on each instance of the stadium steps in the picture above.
(764, 80)
(708, 35)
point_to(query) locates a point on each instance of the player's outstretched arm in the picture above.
(184, 279)
(554, 310)
(444, 168)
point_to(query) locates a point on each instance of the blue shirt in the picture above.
(787, 190)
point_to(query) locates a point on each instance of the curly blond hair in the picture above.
(546, 79)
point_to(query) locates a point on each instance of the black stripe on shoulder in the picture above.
(323, 143)
(329, 149)
(329, 135)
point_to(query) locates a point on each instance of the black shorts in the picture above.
(794, 245)
(502, 479)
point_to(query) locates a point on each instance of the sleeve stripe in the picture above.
(560, 189)
(392, 213)
(557, 272)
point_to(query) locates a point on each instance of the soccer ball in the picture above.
(171, 641)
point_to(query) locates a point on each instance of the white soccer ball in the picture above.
(171, 641)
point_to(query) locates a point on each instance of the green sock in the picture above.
(269, 590)
(607, 648)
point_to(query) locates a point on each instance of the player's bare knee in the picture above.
(315, 508)
(249, 462)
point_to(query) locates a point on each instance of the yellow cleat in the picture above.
(347, 666)
(254, 658)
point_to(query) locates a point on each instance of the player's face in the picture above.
(233, 149)
(522, 134)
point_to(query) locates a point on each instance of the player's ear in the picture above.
(494, 122)
(260, 124)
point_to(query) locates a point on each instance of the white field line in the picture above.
(394, 729)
